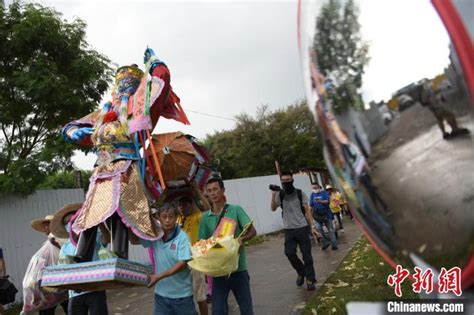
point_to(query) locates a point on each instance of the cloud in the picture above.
(408, 42)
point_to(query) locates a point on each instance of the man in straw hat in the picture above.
(79, 302)
(47, 255)
(42, 225)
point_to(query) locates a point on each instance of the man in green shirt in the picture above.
(222, 220)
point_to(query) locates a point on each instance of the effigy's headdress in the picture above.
(131, 71)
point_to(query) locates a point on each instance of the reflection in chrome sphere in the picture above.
(397, 125)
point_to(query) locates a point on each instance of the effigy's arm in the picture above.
(154, 98)
(80, 130)
(167, 103)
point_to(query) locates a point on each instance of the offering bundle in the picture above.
(215, 257)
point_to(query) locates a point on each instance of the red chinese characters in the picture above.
(397, 279)
(423, 280)
(449, 281)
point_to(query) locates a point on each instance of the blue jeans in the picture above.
(239, 283)
(178, 306)
(332, 234)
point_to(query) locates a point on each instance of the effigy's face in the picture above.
(127, 85)
(395, 114)
(127, 79)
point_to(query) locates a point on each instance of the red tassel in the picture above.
(110, 116)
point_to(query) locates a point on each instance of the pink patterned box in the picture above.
(96, 275)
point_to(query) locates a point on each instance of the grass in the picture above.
(262, 238)
(362, 276)
(256, 240)
(14, 310)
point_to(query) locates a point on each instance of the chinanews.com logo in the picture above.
(449, 281)
(427, 306)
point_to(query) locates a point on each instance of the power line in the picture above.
(210, 115)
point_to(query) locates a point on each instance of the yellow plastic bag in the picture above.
(220, 260)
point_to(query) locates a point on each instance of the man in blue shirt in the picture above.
(319, 202)
(172, 278)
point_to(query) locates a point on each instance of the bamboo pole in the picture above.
(155, 161)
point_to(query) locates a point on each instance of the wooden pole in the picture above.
(277, 166)
(155, 161)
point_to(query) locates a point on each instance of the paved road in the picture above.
(272, 279)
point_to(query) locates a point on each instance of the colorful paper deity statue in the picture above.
(117, 196)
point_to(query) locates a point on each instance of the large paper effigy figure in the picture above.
(117, 196)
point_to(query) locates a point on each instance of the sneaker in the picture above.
(311, 285)
(325, 247)
(299, 281)
(334, 248)
(459, 132)
(342, 230)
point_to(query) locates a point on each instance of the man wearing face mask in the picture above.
(297, 221)
(319, 202)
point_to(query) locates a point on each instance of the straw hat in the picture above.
(57, 225)
(38, 224)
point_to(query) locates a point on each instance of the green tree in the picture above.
(251, 148)
(48, 76)
(341, 53)
(64, 180)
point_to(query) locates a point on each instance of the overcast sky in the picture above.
(229, 57)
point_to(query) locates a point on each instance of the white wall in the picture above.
(18, 240)
(254, 196)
